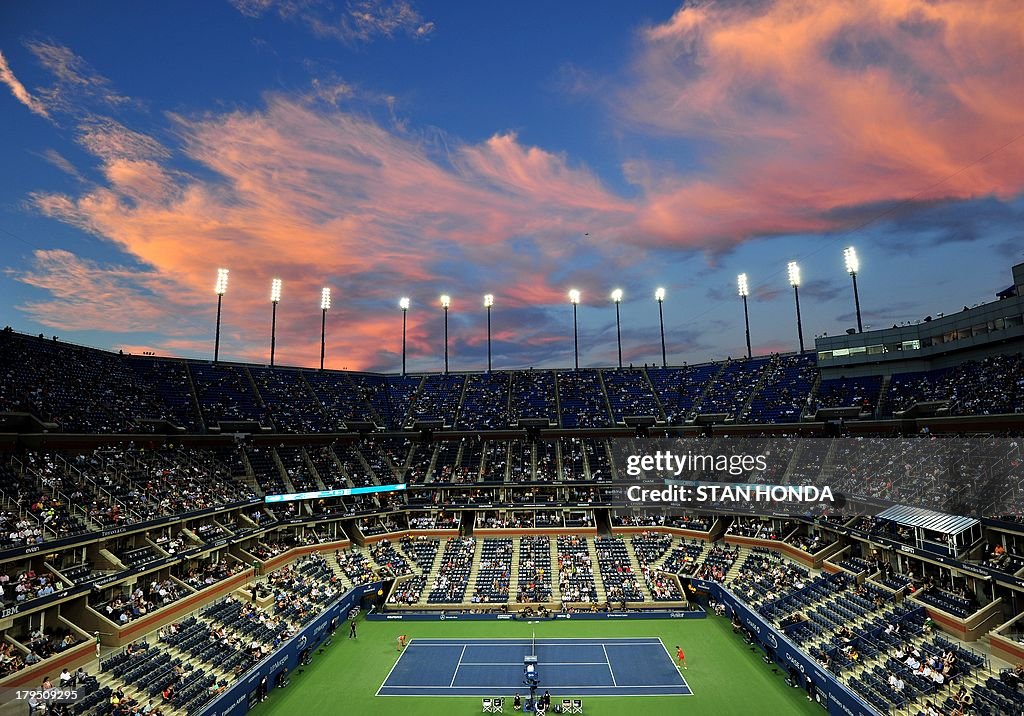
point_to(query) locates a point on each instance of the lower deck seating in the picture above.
(534, 570)
(575, 570)
(453, 576)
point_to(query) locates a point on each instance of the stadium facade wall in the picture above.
(1006, 649)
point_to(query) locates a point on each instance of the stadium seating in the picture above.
(575, 570)
(494, 570)
(453, 576)
(620, 581)
(534, 570)
(532, 395)
(630, 394)
(166, 516)
(485, 403)
(582, 400)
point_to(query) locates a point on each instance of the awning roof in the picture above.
(928, 519)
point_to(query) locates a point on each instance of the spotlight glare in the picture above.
(222, 282)
(852, 262)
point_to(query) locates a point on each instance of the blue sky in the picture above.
(391, 148)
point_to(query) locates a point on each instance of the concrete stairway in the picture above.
(556, 592)
(513, 574)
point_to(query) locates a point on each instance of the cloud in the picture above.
(804, 109)
(76, 84)
(110, 140)
(61, 162)
(358, 21)
(367, 19)
(18, 89)
(85, 295)
(332, 91)
(812, 132)
(320, 196)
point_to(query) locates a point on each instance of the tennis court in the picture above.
(567, 667)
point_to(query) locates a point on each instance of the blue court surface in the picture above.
(566, 667)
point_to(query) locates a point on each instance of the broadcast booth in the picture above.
(935, 532)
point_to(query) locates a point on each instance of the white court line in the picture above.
(498, 640)
(394, 666)
(456, 642)
(669, 655)
(581, 690)
(457, 667)
(543, 663)
(560, 688)
(608, 662)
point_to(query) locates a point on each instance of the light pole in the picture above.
(403, 303)
(744, 291)
(793, 269)
(659, 296)
(574, 299)
(325, 303)
(617, 299)
(220, 289)
(488, 302)
(446, 301)
(275, 298)
(852, 266)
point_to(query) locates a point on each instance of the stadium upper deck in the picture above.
(85, 390)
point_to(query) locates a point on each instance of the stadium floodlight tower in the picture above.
(403, 303)
(659, 296)
(744, 290)
(325, 303)
(220, 289)
(275, 298)
(488, 303)
(616, 298)
(852, 267)
(574, 299)
(446, 301)
(793, 271)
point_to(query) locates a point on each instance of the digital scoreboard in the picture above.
(344, 492)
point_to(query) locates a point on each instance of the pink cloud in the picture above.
(803, 116)
(75, 81)
(85, 295)
(60, 162)
(18, 89)
(810, 107)
(315, 196)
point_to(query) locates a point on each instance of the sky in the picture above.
(388, 148)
